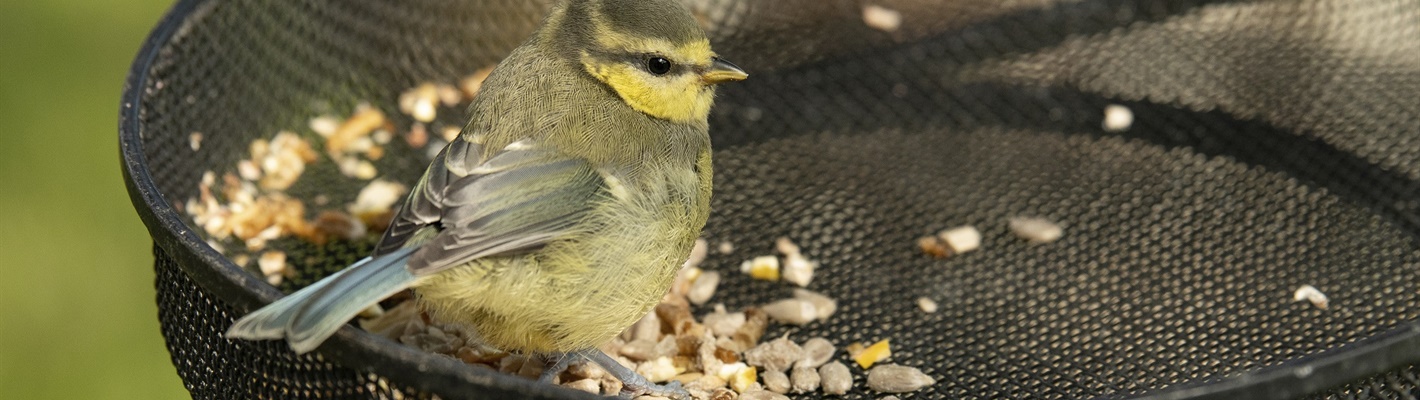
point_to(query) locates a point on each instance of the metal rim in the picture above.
(450, 378)
(350, 347)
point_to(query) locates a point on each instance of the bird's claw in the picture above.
(672, 390)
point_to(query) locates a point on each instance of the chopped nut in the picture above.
(365, 121)
(324, 125)
(339, 225)
(593, 386)
(248, 170)
(776, 355)
(611, 386)
(272, 263)
(1117, 118)
(418, 136)
(743, 379)
(776, 381)
(449, 95)
(877, 352)
(961, 239)
(799, 270)
(722, 323)
(816, 351)
(675, 318)
(586, 370)
(835, 378)
(927, 305)
(889, 397)
(683, 279)
(762, 268)
(421, 102)
(648, 328)
(749, 333)
(824, 306)
(726, 247)
(804, 379)
(703, 288)
(659, 370)
(697, 253)
(881, 18)
(285, 161)
(376, 199)
(933, 246)
(194, 140)
(762, 395)
(640, 350)
(1311, 294)
(473, 82)
(893, 378)
(792, 311)
(1036, 230)
(723, 394)
(728, 371)
(707, 382)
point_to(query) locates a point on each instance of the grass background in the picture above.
(77, 312)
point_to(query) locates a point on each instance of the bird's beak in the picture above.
(722, 71)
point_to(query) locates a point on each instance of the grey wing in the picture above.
(467, 207)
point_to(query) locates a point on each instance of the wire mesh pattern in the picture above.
(1273, 146)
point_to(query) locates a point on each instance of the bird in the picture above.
(562, 212)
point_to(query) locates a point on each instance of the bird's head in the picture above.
(651, 53)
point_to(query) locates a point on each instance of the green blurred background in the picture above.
(79, 319)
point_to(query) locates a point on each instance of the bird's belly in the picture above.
(570, 296)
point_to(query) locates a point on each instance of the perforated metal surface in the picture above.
(1273, 146)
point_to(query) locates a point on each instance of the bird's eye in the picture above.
(658, 65)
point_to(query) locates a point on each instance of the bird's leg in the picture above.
(632, 383)
(556, 363)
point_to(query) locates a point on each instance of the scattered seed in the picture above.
(776, 355)
(272, 263)
(194, 140)
(835, 378)
(449, 95)
(743, 378)
(776, 381)
(893, 378)
(762, 268)
(703, 288)
(804, 379)
(792, 311)
(927, 305)
(593, 386)
(961, 239)
(726, 247)
(324, 125)
(1036, 230)
(375, 200)
(1311, 294)
(881, 18)
(421, 102)
(361, 124)
(659, 370)
(722, 323)
(723, 394)
(877, 352)
(1117, 118)
(762, 395)
(824, 306)
(816, 352)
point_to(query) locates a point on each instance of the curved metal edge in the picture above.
(350, 347)
(1310, 374)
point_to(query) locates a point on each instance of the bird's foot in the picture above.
(672, 390)
(556, 363)
(632, 383)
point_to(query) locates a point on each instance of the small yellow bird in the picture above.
(563, 211)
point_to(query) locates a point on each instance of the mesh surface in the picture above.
(1273, 146)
